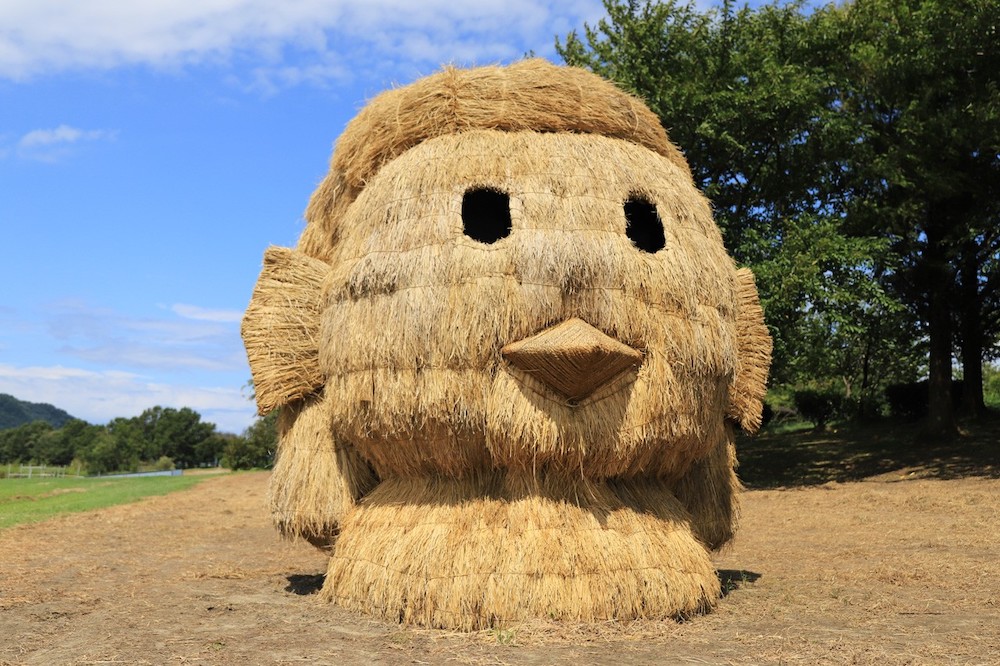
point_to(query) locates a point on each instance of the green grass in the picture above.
(34, 500)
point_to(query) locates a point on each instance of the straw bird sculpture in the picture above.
(510, 352)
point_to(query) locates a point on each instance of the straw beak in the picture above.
(572, 357)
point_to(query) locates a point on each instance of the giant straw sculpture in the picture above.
(510, 351)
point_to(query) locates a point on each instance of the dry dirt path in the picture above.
(877, 572)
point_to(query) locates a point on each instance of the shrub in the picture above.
(991, 385)
(818, 405)
(244, 453)
(767, 415)
(910, 400)
(164, 464)
(256, 447)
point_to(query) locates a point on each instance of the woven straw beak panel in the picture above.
(572, 357)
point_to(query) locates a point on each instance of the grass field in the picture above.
(33, 500)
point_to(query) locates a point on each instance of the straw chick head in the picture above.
(511, 268)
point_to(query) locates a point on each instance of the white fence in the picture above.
(48, 471)
(39, 471)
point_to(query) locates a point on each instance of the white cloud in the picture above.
(99, 396)
(289, 42)
(49, 145)
(137, 355)
(61, 134)
(98, 363)
(205, 314)
(196, 339)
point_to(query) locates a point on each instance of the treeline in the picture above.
(852, 156)
(159, 438)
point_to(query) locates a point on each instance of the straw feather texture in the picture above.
(753, 342)
(499, 399)
(417, 314)
(531, 95)
(519, 547)
(315, 480)
(280, 328)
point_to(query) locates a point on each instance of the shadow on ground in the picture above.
(854, 453)
(734, 579)
(304, 584)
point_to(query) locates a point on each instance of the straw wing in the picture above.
(281, 328)
(753, 343)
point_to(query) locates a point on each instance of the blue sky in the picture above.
(149, 153)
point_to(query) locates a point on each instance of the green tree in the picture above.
(256, 447)
(123, 449)
(852, 154)
(922, 76)
(747, 94)
(179, 434)
(59, 447)
(209, 450)
(21, 444)
(107, 454)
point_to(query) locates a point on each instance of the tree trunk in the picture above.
(973, 405)
(866, 365)
(940, 421)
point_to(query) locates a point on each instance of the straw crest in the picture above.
(530, 95)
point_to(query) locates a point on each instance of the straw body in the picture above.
(529, 413)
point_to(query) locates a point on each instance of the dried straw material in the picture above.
(531, 95)
(572, 357)
(710, 492)
(315, 480)
(494, 550)
(753, 342)
(417, 314)
(280, 328)
(533, 422)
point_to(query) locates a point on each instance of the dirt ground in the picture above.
(890, 570)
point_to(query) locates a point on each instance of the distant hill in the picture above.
(14, 412)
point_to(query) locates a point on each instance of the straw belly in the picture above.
(488, 550)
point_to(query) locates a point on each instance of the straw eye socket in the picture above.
(486, 214)
(643, 225)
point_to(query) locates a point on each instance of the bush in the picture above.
(243, 453)
(256, 447)
(911, 400)
(819, 406)
(164, 464)
(991, 385)
(767, 415)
